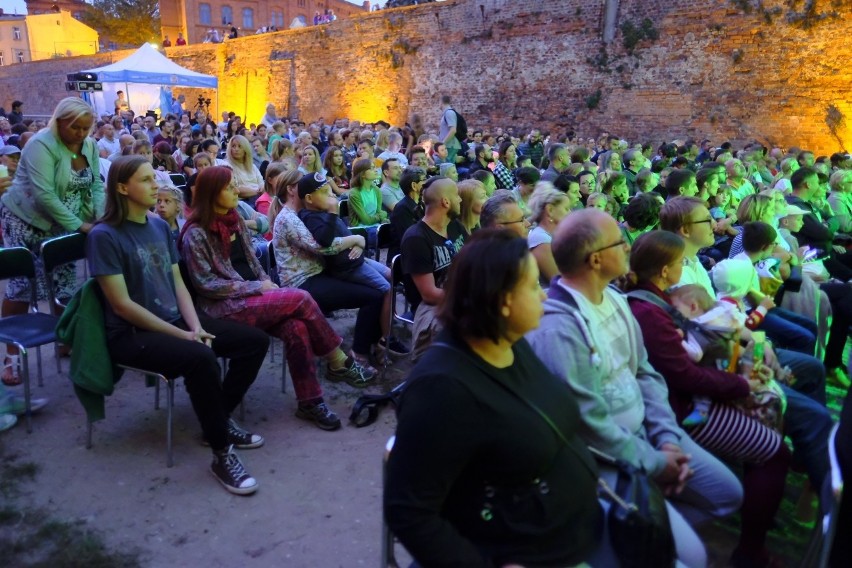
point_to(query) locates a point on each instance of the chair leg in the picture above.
(25, 374)
(170, 402)
(156, 393)
(88, 434)
(38, 364)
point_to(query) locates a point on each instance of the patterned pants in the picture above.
(293, 316)
(19, 233)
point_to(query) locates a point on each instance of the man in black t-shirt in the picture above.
(428, 248)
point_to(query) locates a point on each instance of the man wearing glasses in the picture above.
(589, 338)
(501, 210)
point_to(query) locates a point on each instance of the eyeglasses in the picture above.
(620, 243)
(521, 220)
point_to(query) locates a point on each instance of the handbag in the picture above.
(638, 521)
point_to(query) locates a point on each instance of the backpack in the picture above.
(461, 126)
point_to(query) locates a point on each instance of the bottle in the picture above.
(759, 338)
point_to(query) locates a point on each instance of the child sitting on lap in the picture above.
(320, 217)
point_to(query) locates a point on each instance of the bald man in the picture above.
(428, 248)
(124, 141)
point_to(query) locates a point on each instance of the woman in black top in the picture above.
(476, 476)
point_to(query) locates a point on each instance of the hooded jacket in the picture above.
(570, 349)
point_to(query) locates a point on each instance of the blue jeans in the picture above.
(807, 421)
(370, 273)
(790, 330)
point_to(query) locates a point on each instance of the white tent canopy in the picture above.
(147, 70)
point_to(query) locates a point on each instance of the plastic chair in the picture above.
(388, 540)
(343, 209)
(170, 403)
(28, 330)
(271, 268)
(179, 180)
(55, 253)
(396, 285)
(831, 500)
(384, 239)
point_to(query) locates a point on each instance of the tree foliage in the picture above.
(128, 23)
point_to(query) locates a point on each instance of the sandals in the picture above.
(12, 371)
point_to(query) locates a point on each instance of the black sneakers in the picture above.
(229, 471)
(394, 347)
(240, 438)
(352, 373)
(320, 414)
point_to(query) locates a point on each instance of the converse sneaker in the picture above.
(229, 471)
(239, 438)
(352, 373)
(320, 414)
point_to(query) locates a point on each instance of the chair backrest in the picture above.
(396, 270)
(343, 209)
(270, 259)
(178, 179)
(62, 250)
(16, 262)
(385, 236)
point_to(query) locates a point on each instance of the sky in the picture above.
(10, 6)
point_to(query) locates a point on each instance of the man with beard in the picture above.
(484, 157)
(428, 248)
(560, 160)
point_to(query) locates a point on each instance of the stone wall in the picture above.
(728, 69)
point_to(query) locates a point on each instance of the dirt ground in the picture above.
(319, 502)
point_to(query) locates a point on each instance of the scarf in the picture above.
(224, 226)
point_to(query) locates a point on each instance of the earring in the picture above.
(506, 311)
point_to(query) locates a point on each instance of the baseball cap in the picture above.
(310, 183)
(9, 149)
(795, 210)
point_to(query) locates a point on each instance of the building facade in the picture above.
(76, 7)
(59, 34)
(194, 18)
(14, 40)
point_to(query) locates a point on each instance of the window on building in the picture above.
(20, 57)
(248, 19)
(302, 3)
(204, 15)
(276, 18)
(227, 15)
(16, 33)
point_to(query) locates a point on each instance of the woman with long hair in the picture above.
(506, 165)
(365, 199)
(473, 197)
(151, 322)
(310, 161)
(656, 263)
(336, 171)
(247, 178)
(231, 284)
(548, 206)
(208, 132)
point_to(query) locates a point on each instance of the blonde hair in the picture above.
(246, 163)
(753, 207)
(543, 195)
(279, 147)
(283, 182)
(467, 189)
(316, 166)
(70, 108)
(694, 293)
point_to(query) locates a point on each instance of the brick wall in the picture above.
(778, 73)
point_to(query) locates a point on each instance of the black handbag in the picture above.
(639, 528)
(638, 520)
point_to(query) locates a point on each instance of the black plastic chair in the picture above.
(272, 268)
(343, 209)
(57, 252)
(396, 286)
(28, 330)
(179, 180)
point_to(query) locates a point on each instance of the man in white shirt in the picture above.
(108, 144)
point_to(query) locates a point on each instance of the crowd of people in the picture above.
(678, 306)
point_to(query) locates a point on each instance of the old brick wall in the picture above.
(776, 71)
